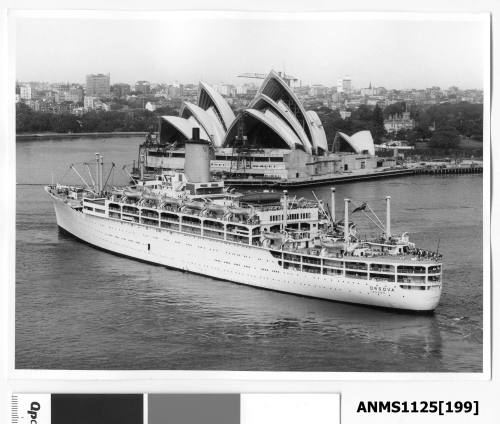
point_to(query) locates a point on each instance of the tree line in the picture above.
(442, 125)
(30, 121)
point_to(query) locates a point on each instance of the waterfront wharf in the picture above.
(470, 169)
(353, 177)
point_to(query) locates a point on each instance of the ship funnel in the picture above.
(197, 160)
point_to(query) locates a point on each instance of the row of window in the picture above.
(250, 159)
(291, 216)
(94, 209)
(378, 268)
(311, 268)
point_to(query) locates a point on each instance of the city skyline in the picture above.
(387, 53)
(354, 88)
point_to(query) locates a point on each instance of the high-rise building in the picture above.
(74, 94)
(318, 90)
(143, 87)
(344, 85)
(60, 87)
(120, 90)
(25, 92)
(97, 86)
(225, 89)
(175, 90)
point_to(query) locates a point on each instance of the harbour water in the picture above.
(81, 308)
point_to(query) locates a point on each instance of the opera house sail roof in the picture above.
(176, 129)
(208, 98)
(263, 102)
(274, 119)
(264, 130)
(207, 120)
(360, 142)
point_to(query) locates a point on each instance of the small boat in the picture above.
(170, 200)
(193, 204)
(149, 196)
(216, 208)
(236, 210)
(132, 194)
(273, 236)
(260, 198)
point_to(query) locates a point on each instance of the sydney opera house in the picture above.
(274, 137)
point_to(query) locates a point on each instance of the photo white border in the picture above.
(407, 386)
(256, 375)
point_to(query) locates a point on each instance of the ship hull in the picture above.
(235, 262)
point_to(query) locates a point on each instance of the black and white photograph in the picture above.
(252, 192)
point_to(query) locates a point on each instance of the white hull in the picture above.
(244, 264)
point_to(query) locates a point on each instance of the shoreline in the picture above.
(48, 136)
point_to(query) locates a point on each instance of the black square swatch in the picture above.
(97, 409)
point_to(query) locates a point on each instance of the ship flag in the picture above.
(361, 207)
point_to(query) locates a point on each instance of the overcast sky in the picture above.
(389, 53)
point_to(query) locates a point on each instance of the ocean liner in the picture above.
(266, 239)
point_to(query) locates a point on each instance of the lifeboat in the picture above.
(216, 208)
(149, 196)
(193, 204)
(132, 194)
(170, 201)
(260, 198)
(235, 210)
(273, 239)
(272, 236)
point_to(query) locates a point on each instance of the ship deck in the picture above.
(312, 252)
(393, 259)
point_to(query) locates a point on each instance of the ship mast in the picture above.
(346, 220)
(97, 186)
(285, 209)
(101, 173)
(388, 217)
(332, 212)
